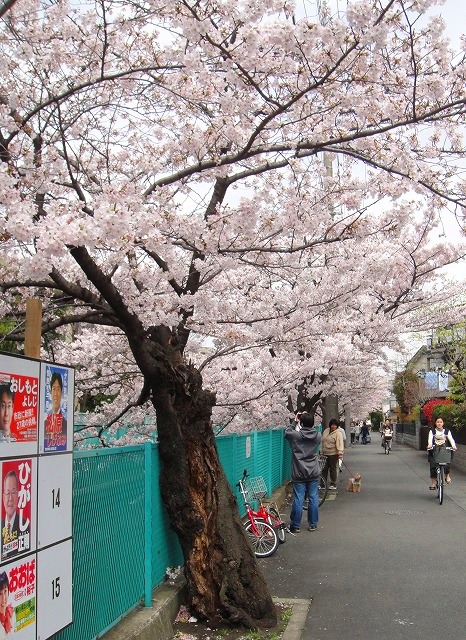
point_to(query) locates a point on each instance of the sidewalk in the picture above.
(387, 563)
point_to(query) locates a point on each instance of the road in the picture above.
(388, 563)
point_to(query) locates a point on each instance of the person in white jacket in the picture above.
(437, 438)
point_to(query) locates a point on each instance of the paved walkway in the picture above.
(388, 563)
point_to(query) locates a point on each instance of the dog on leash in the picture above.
(354, 484)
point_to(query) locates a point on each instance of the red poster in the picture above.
(19, 406)
(16, 507)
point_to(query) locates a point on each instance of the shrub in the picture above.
(459, 416)
(428, 408)
(446, 412)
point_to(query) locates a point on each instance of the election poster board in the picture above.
(36, 469)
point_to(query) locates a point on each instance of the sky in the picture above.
(452, 11)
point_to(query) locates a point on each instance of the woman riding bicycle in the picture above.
(437, 438)
(387, 434)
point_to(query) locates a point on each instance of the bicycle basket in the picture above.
(256, 488)
(442, 455)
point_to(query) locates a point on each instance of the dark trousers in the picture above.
(331, 464)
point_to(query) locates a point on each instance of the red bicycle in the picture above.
(268, 511)
(262, 535)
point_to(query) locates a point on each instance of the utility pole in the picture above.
(33, 328)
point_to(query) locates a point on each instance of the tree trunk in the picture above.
(223, 578)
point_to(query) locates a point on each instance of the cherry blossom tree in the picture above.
(221, 206)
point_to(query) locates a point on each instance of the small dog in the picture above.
(354, 484)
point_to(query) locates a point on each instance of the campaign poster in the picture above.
(19, 406)
(17, 514)
(57, 405)
(18, 599)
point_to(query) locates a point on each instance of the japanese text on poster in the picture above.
(17, 597)
(19, 396)
(16, 507)
(56, 408)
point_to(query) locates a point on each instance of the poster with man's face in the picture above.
(57, 393)
(18, 491)
(19, 402)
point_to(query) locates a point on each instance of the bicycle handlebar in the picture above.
(245, 475)
(446, 448)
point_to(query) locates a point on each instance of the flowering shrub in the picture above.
(428, 408)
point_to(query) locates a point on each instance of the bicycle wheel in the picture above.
(263, 538)
(276, 521)
(322, 490)
(440, 485)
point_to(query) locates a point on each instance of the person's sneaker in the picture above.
(294, 530)
(313, 527)
(305, 507)
(332, 486)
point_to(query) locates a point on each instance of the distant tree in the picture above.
(453, 341)
(377, 418)
(406, 390)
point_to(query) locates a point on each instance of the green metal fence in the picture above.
(122, 542)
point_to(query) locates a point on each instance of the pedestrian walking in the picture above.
(364, 433)
(332, 447)
(358, 432)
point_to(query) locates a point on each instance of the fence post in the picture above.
(271, 461)
(148, 481)
(282, 458)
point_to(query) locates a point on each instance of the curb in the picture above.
(297, 621)
(147, 623)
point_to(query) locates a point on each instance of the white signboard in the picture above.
(54, 516)
(54, 590)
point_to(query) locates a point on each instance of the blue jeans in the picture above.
(299, 491)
